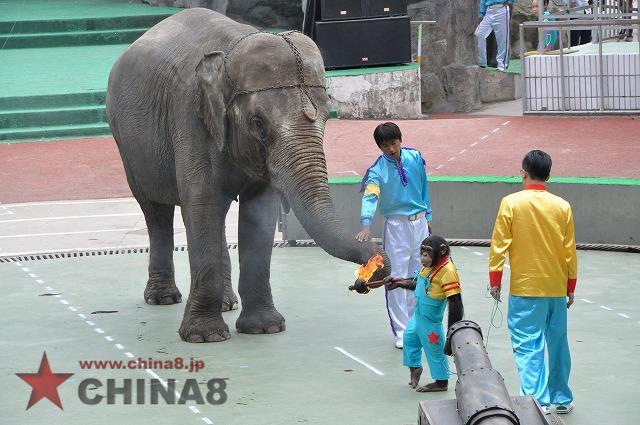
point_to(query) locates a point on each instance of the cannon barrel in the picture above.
(482, 397)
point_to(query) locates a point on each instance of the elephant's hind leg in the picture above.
(161, 286)
(229, 300)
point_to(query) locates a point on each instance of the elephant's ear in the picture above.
(210, 95)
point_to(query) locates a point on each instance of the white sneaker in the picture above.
(563, 409)
(399, 344)
(501, 68)
(546, 410)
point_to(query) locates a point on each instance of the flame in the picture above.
(365, 272)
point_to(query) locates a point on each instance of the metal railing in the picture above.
(586, 83)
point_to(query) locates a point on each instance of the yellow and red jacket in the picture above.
(536, 229)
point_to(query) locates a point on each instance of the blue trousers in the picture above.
(536, 322)
(425, 332)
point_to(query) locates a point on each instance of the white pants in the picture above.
(496, 20)
(402, 240)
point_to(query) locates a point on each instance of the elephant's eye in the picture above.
(258, 128)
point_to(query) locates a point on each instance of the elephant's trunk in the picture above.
(307, 190)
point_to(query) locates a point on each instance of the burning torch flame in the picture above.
(365, 272)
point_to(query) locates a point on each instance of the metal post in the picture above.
(562, 100)
(540, 30)
(601, 69)
(523, 71)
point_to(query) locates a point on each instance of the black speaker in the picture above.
(361, 42)
(386, 8)
(332, 10)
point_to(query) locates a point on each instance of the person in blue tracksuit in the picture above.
(435, 286)
(494, 16)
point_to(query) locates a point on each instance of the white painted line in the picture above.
(65, 302)
(119, 346)
(439, 166)
(586, 300)
(39, 280)
(82, 232)
(495, 130)
(94, 201)
(478, 253)
(194, 409)
(162, 381)
(363, 363)
(484, 137)
(48, 288)
(506, 122)
(100, 331)
(108, 338)
(24, 269)
(624, 315)
(33, 275)
(72, 308)
(207, 421)
(462, 151)
(82, 316)
(606, 308)
(451, 159)
(473, 144)
(130, 355)
(71, 217)
(90, 323)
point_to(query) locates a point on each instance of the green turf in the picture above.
(370, 70)
(56, 70)
(514, 67)
(23, 10)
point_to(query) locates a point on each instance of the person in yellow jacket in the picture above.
(535, 229)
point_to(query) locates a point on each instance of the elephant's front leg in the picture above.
(256, 227)
(204, 222)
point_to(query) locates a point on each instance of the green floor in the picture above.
(296, 376)
(12, 10)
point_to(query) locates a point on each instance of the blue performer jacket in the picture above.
(400, 189)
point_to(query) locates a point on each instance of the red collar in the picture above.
(536, 186)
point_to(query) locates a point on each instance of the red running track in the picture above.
(453, 145)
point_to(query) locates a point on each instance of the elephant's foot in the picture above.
(230, 300)
(196, 328)
(162, 291)
(265, 321)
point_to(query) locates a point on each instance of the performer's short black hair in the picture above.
(537, 164)
(439, 245)
(386, 132)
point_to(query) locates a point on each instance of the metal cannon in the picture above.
(481, 396)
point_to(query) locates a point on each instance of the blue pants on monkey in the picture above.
(425, 332)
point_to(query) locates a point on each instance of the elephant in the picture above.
(206, 111)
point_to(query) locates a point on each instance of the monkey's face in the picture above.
(426, 256)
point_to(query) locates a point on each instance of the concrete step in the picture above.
(54, 132)
(24, 118)
(497, 86)
(80, 24)
(71, 38)
(89, 98)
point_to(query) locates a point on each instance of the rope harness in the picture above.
(301, 85)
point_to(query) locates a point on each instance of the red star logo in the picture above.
(433, 338)
(44, 383)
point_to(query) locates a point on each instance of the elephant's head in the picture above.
(265, 104)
